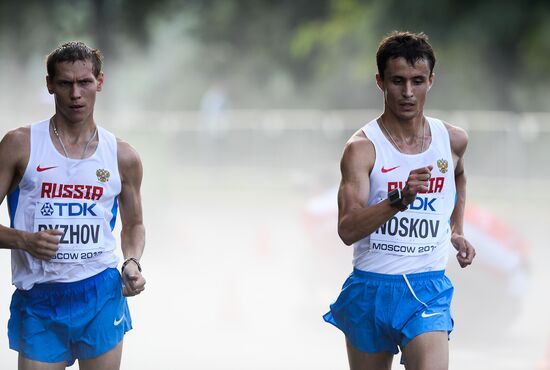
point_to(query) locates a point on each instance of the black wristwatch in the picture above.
(396, 199)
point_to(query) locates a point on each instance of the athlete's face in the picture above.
(405, 87)
(74, 88)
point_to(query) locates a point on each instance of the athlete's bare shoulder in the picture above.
(18, 136)
(129, 162)
(15, 146)
(458, 137)
(14, 156)
(359, 152)
(359, 141)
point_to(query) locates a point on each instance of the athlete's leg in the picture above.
(368, 361)
(427, 351)
(26, 364)
(107, 361)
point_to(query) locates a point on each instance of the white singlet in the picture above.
(418, 239)
(78, 197)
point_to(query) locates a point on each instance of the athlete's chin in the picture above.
(405, 112)
(77, 117)
(407, 115)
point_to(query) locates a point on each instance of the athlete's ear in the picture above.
(49, 84)
(431, 81)
(100, 81)
(380, 82)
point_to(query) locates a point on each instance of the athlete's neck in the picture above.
(407, 135)
(74, 146)
(403, 128)
(74, 132)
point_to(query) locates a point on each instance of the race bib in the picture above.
(415, 232)
(81, 224)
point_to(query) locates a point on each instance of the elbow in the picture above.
(348, 242)
(346, 235)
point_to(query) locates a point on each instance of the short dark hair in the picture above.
(411, 46)
(71, 52)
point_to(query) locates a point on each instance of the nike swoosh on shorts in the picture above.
(117, 322)
(426, 315)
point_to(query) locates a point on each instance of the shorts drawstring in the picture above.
(412, 291)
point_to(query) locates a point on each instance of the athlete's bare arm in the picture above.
(131, 215)
(14, 156)
(356, 220)
(459, 142)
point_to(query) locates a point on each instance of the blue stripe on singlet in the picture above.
(114, 212)
(13, 200)
(456, 200)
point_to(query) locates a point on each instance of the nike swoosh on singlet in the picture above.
(40, 169)
(117, 322)
(425, 314)
(384, 170)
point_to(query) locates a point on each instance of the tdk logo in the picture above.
(68, 209)
(423, 204)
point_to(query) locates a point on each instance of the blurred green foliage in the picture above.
(164, 54)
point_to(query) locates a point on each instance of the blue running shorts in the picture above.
(379, 313)
(62, 322)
